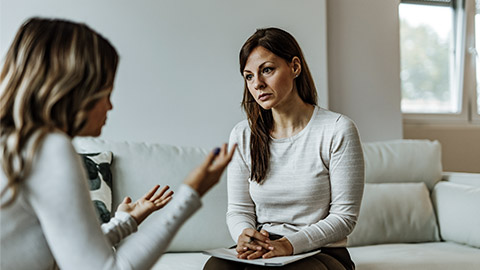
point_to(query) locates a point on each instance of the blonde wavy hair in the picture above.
(54, 73)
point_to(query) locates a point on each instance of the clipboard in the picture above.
(231, 254)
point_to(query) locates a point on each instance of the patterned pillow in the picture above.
(100, 182)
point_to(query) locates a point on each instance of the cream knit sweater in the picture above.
(52, 220)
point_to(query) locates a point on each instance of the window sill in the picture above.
(441, 119)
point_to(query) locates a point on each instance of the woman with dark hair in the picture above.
(56, 84)
(296, 182)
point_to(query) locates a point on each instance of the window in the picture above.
(438, 60)
(477, 49)
(426, 66)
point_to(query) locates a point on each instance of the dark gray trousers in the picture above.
(328, 259)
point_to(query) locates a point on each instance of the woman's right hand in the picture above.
(209, 172)
(253, 242)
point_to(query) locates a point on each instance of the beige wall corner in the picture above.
(460, 144)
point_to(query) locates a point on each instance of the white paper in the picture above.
(231, 254)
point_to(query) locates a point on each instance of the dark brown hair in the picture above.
(284, 45)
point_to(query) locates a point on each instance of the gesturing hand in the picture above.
(149, 203)
(208, 173)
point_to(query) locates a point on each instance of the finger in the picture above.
(252, 246)
(220, 152)
(223, 153)
(127, 200)
(163, 202)
(245, 236)
(164, 199)
(256, 254)
(257, 245)
(262, 231)
(243, 241)
(210, 158)
(166, 196)
(229, 155)
(224, 150)
(159, 194)
(249, 235)
(270, 254)
(245, 254)
(151, 192)
(257, 236)
(241, 248)
(251, 243)
(226, 157)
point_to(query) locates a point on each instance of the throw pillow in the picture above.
(395, 213)
(100, 182)
(457, 211)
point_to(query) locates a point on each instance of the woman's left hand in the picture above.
(280, 247)
(149, 203)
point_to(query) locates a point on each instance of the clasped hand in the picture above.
(253, 244)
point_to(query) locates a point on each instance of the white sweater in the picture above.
(313, 190)
(52, 219)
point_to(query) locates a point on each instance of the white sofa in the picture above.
(413, 215)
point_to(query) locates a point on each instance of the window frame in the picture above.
(473, 95)
(464, 76)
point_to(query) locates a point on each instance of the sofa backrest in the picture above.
(403, 161)
(137, 167)
(395, 173)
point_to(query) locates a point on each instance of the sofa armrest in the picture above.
(472, 179)
(458, 212)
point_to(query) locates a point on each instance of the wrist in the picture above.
(195, 186)
(287, 245)
(122, 214)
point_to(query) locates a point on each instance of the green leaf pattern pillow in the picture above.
(100, 182)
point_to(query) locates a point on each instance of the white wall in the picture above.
(178, 80)
(364, 65)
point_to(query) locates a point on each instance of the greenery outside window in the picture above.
(438, 59)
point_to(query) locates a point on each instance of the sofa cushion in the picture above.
(140, 166)
(458, 212)
(395, 213)
(100, 182)
(422, 256)
(181, 261)
(403, 161)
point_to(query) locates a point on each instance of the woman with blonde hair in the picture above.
(56, 84)
(296, 182)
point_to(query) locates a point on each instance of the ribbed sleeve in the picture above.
(119, 227)
(241, 209)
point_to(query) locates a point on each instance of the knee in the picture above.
(220, 264)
